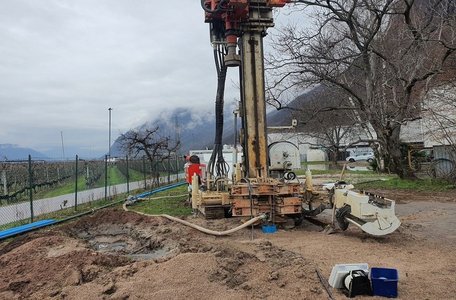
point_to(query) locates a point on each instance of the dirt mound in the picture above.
(42, 265)
(112, 253)
(117, 255)
(112, 216)
(135, 236)
(268, 272)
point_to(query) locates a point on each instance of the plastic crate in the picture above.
(269, 228)
(384, 282)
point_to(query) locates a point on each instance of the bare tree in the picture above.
(328, 126)
(379, 53)
(148, 142)
(439, 116)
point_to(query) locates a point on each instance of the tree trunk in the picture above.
(334, 151)
(389, 138)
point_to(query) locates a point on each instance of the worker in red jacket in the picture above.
(191, 167)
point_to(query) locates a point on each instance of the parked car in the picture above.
(362, 156)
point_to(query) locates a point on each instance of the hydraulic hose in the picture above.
(217, 9)
(200, 228)
(217, 165)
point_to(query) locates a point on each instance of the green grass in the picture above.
(407, 184)
(169, 206)
(115, 176)
(135, 175)
(305, 163)
(66, 188)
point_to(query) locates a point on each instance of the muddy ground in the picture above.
(121, 255)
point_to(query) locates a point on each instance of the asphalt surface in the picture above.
(21, 210)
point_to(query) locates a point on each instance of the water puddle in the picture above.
(127, 241)
(120, 246)
(155, 254)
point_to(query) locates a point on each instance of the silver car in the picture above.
(362, 156)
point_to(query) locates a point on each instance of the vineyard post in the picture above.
(30, 187)
(106, 177)
(128, 176)
(76, 185)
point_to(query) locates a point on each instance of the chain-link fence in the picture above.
(32, 190)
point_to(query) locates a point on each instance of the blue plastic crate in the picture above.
(269, 228)
(384, 282)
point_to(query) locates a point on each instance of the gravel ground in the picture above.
(121, 255)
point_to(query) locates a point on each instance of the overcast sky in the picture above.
(63, 63)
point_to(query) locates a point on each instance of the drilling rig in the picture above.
(237, 29)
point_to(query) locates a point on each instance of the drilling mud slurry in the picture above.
(125, 239)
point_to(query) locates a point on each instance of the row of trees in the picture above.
(375, 60)
(15, 176)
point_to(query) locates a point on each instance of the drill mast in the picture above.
(244, 23)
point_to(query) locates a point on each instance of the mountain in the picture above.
(14, 152)
(194, 129)
(283, 117)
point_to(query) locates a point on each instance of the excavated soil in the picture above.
(114, 254)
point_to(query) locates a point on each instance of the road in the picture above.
(21, 211)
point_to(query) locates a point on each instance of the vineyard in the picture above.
(23, 180)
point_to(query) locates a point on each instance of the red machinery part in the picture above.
(277, 3)
(234, 10)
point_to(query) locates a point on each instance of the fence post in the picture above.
(106, 177)
(177, 167)
(169, 169)
(76, 185)
(144, 172)
(5, 183)
(30, 187)
(128, 176)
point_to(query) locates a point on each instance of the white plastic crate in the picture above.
(339, 271)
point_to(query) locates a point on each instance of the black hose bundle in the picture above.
(217, 165)
(217, 9)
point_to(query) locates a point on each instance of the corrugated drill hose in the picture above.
(200, 228)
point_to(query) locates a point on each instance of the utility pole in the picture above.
(63, 147)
